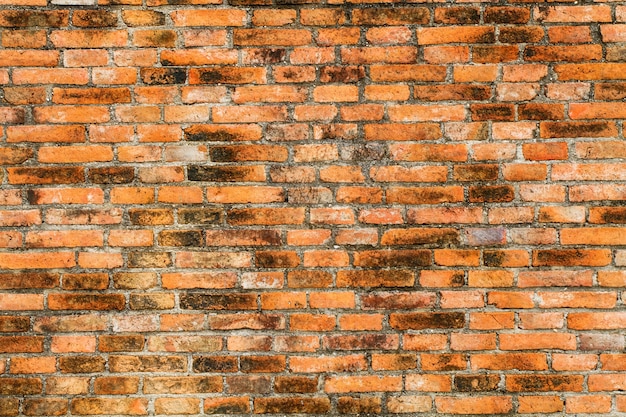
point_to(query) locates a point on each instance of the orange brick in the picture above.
(208, 17)
(446, 54)
(360, 322)
(537, 341)
(477, 405)
(391, 35)
(530, 404)
(489, 321)
(75, 154)
(50, 76)
(379, 54)
(339, 36)
(362, 384)
(475, 73)
(332, 300)
(443, 35)
(424, 342)
(338, 363)
(580, 362)
(417, 113)
(85, 58)
(588, 404)
(27, 38)
(63, 344)
(274, 37)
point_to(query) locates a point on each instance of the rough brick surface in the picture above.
(312, 207)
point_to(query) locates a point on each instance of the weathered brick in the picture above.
(317, 160)
(471, 405)
(130, 406)
(420, 321)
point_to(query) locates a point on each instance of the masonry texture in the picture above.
(296, 206)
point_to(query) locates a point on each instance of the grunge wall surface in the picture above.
(275, 206)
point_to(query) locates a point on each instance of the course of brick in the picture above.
(296, 206)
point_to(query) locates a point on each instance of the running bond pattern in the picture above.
(286, 206)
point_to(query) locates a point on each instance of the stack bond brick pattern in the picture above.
(293, 206)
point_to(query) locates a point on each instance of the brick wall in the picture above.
(275, 206)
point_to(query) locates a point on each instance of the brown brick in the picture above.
(295, 384)
(81, 364)
(47, 407)
(539, 383)
(116, 385)
(94, 18)
(458, 15)
(507, 15)
(275, 37)
(131, 406)
(115, 343)
(227, 405)
(148, 363)
(180, 385)
(33, 18)
(85, 301)
(21, 386)
(420, 321)
(70, 175)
